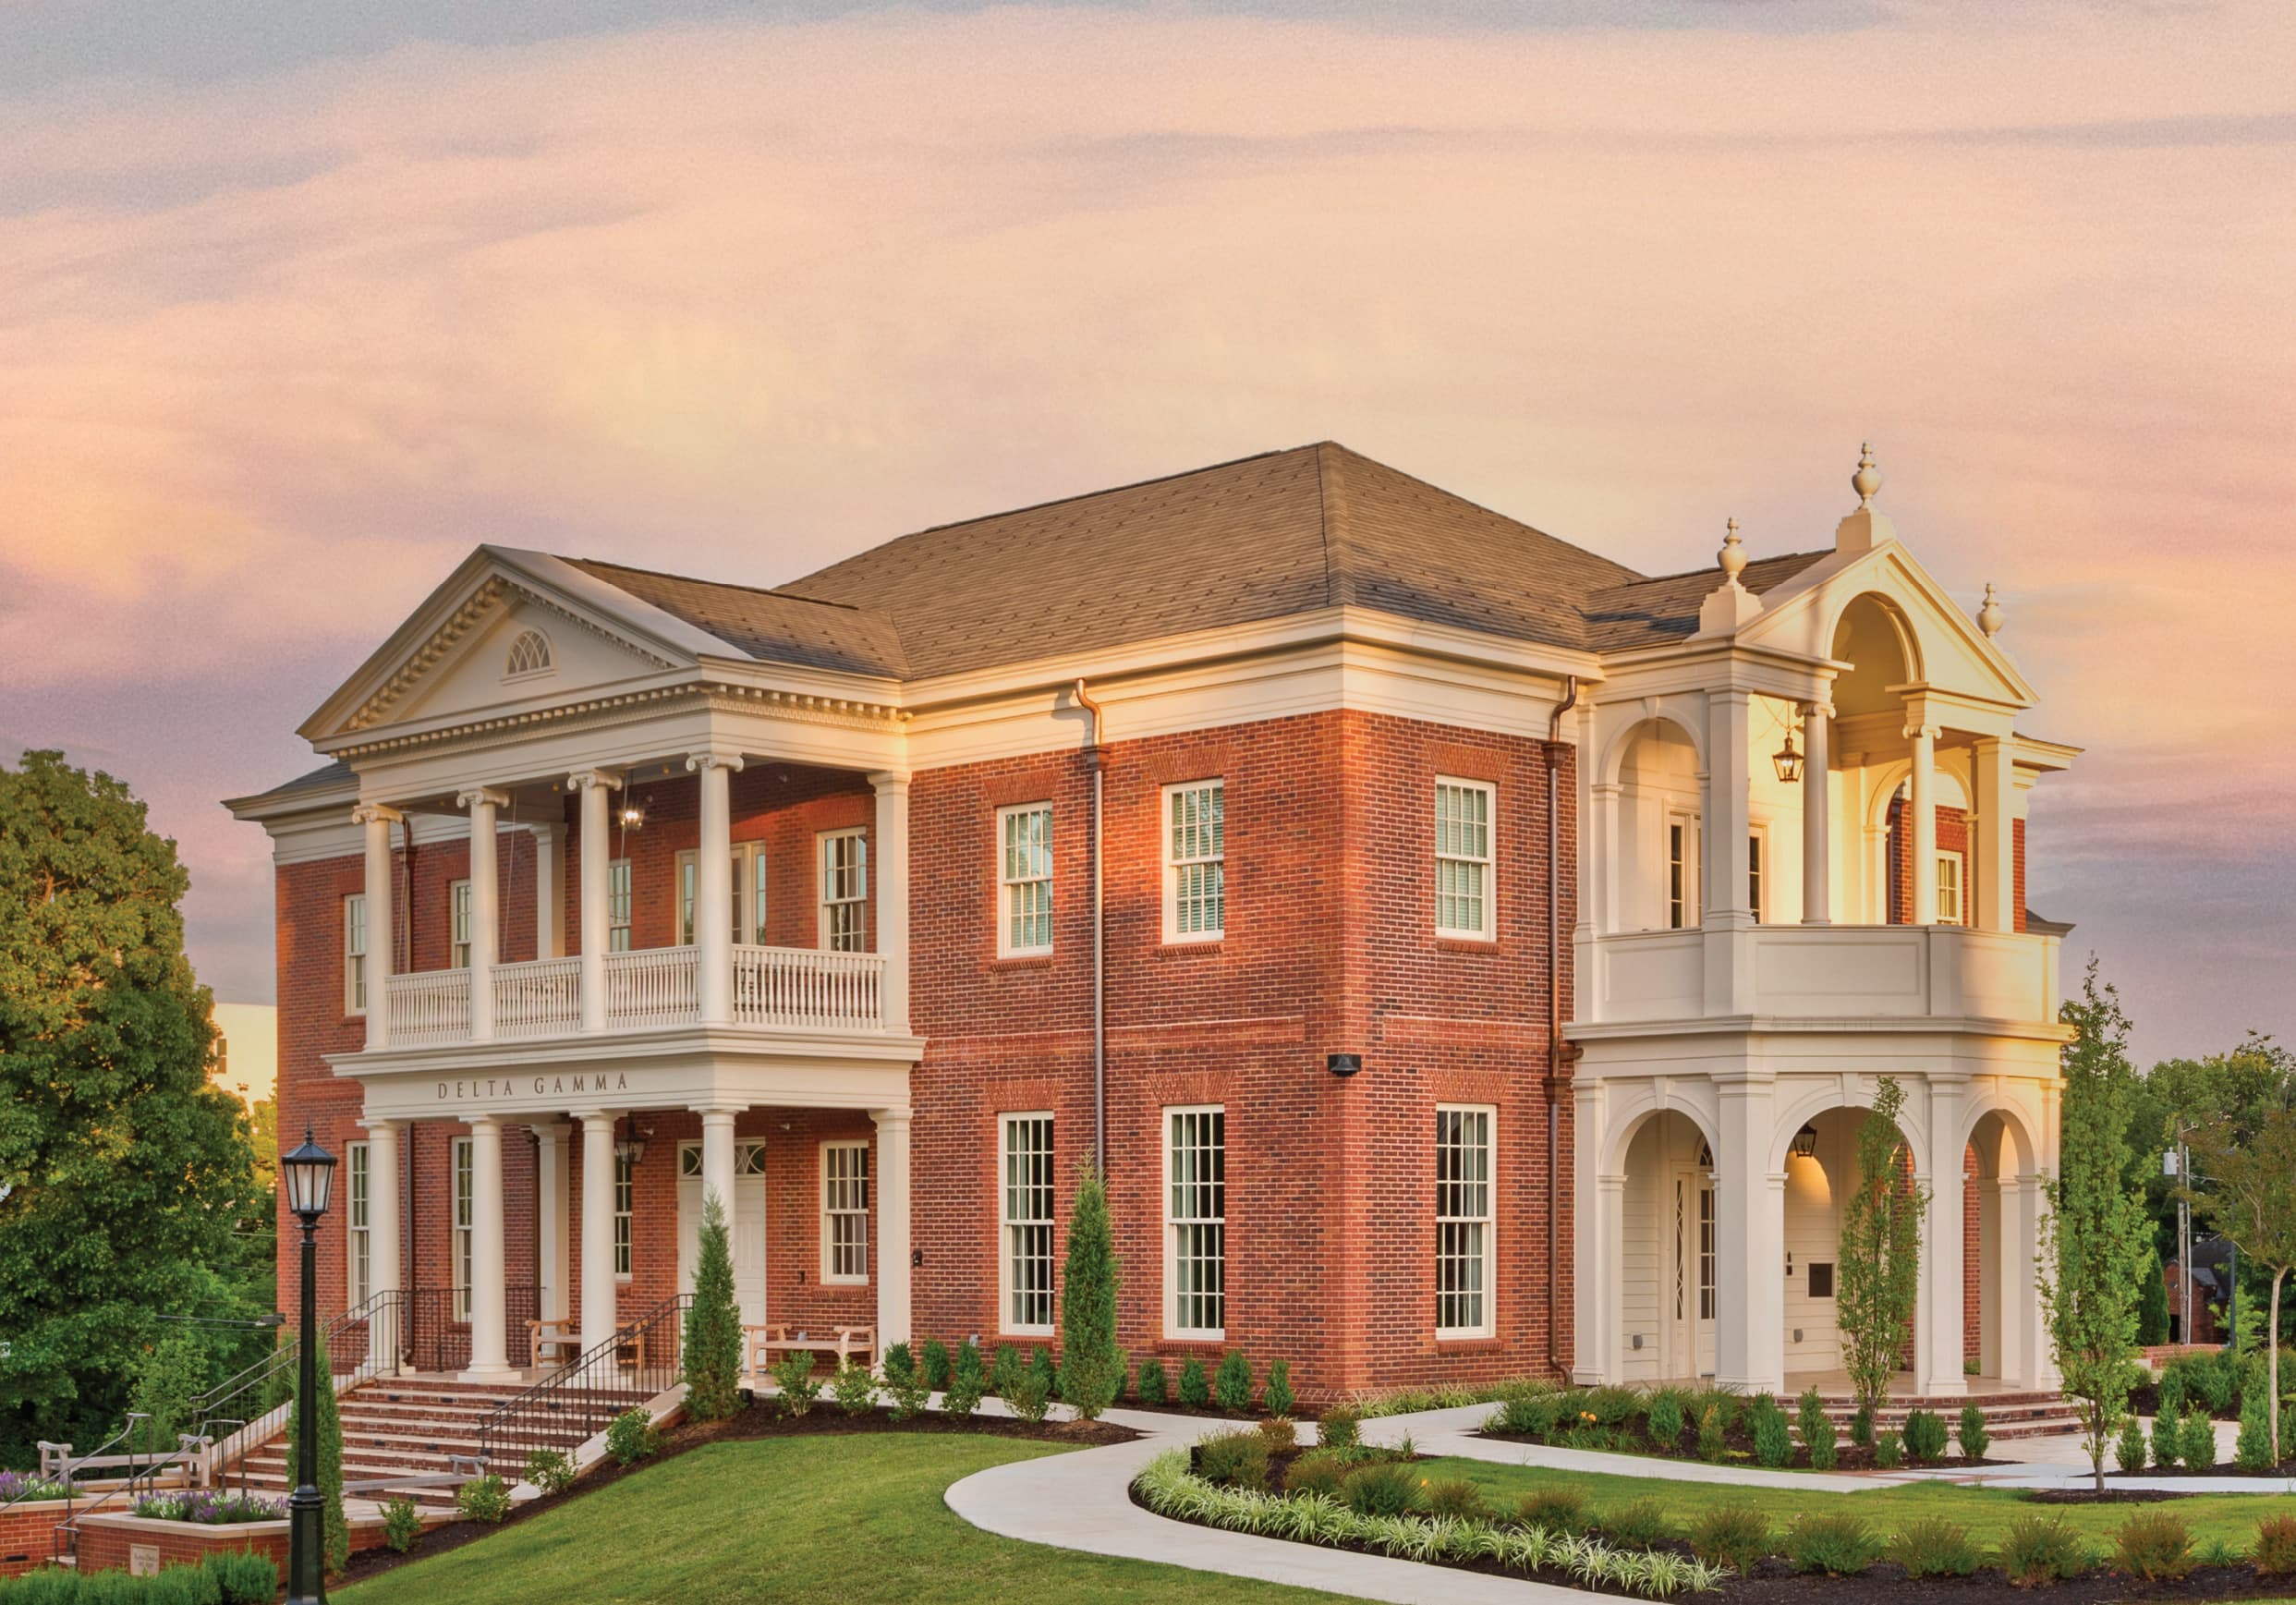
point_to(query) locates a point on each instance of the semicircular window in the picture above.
(530, 655)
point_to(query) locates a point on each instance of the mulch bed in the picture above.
(1848, 1457)
(752, 1421)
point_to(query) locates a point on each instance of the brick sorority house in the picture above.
(1470, 957)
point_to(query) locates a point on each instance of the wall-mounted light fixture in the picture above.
(1342, 1063)
(1805, 1142)
(1788, 760)
(631, 1149)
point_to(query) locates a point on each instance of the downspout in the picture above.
(1554, 1010)
(1100, 942)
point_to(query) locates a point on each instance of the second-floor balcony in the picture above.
(781, 989)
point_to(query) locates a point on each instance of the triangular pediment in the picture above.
(509, 630)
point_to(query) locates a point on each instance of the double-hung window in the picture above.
(1682, 871)
(1024, 880)
(618, 906)
(1195, 1223)
(746, 870)
(1028, 1210)
(1462, 858)
(1195, 870)
(354, 954)
(625, 1210)
(844, 892)
(459, 937)
(844, 1212)
(1753, 875)
(1950, 870)
(1462, 1221)
(464, 1218)
(355, 1196)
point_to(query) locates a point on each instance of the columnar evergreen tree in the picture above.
(2248, 1192)
(1092, 1367)
(123, 1171)
(713, 1324)
(2094, 1235)
(1879, 1276)
(330, 1477)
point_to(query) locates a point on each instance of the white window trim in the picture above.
(1006, 1285)
(354, 954)
(549, 664)
(624, 1221)
(1172, 1329)
(1173, 935)
(462, 1199)
(619, 869)
(1488, 1219)
(458, 925)
(1488, 862)
(1694, 910)
(746, 866)
(358, 1223)
(825, 903)
(1759, 868)
(1008, 886)
(829, 1276)
(1960, 886)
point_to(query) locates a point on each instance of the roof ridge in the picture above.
(1709, 568)
(773, 591)
(1330, 509)
(1450, 495)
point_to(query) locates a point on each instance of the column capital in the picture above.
(899, 1116)
(547, 1130)
(482, 794)
(590, 779)
(368, 813)
(886, 780)
(393, 1125)
(727, 1111)
(696, 761)
(492, 1122)
(592, 1119)
(1818, 708)
(1917, 732)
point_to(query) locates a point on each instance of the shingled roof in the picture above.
(776, 626)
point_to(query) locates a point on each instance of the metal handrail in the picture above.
(438, 1337)
(187, 1445)
(387, 1309)
(69, 1465)
(516, 1425)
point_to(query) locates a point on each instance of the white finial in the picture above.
(1989, 615)
(1867, 479)
(1733, 554)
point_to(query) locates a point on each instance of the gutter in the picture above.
(1554, 1009)
(1099, 935)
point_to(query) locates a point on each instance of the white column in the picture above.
(714, 892)
(1818, 803)
(1728, 918)
(893, 895)
(490, 1340)
(1923, 809)
(892, 1224)
(486, 886)
(2025, 1346)
(550, 890)
(1609, 868)
(378, 821)
(717, 1159)
(1995, 866)
(1938, 1361)
(385, 1336)
(595, 786)
(598, 1313)
(1750, 1200)
(1592, 1246)
(550, 1217)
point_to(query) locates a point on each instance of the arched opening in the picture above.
(1669, 1271)
(1996, 1275)
(1821, 1173)
(1655, 862)
(1874, 638)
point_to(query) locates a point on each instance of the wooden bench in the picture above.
(563, 1340)
(768, 1342)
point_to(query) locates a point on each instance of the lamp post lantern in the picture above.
(308, 1172)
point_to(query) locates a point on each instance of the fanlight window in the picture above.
(530, 655)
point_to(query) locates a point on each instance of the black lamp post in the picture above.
(309, 1173)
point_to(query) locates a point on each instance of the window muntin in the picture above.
(464, 1218)
(844, 1212)
(625, 1210)
(747, 869)
(1682, 871)
(685, 895)
(618, 906)
(1463, 858)
(1753, 875)
(354, 954)
(356, 1192)
(1025, 879)
(748, 1160)
(757, 904)
(1026, 1209)
(1196, 1221)
(1950, 885)
(530, 655)
(1462, 1221)
(459, 934)
(844, 892)
(1195, 850)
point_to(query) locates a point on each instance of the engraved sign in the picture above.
(590, 1081)
(143, 1559)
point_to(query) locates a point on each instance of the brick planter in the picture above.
(25, 1533)
(115, 1543)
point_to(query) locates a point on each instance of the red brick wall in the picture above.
(27, 1534)
(1953, 836)
(1973, 1271)
(105, 1544)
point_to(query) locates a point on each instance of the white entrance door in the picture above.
(749, 1223)
(1690, 1294)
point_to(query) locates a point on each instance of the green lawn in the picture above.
(1986, 1512)
(831, 1518)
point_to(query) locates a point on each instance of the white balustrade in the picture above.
(429, 1007)
(652, 986)
(542, 998)
(805, 988)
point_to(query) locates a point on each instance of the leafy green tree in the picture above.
(123, 1171)
(2094, 1235)
(713, 1323)
(330, 1477)
(2248, 1190)
(2152, 1302)
(1878, 1279)
(1092, 1367)
(169, 1382)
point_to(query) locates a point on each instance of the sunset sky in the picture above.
(297, 304)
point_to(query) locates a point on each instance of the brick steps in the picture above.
(2022, 1415)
